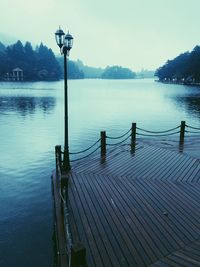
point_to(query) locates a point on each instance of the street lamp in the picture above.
(65, 42)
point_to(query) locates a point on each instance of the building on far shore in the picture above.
(16, 74)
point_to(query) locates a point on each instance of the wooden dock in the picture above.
(136, 209)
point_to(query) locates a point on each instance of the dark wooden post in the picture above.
(182, 132)
(64, 191)
(78, 255)
(133, 137)
(103, 144)
(58, 157)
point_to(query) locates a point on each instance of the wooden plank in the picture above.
(117, 223)
(149, 157)
(159, 201)
(84, 227)
(106, 223)
(196, 174)
(60, 232)
(174, 204)
(117, 208)
(159, 166)
(86, 196)
(183, 260)
(181, 203)
(138, 209)
(134, 225)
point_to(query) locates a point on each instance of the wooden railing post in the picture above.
(64, 183)
(78, 255)
(133, 137)
(58, 157)
(103, 143)
(182, 132)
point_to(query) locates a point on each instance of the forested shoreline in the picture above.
(40, 64)
(37, 64)
(183, 69)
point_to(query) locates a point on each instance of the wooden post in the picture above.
(64, 192)
(78, 255)
(182, 132)
(58, 157)
(103, 144)
(64, 186)
(133, 137)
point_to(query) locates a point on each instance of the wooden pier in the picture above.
(132, 209)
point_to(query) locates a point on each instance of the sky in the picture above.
(131, 33)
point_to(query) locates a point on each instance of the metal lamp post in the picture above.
(65, 42)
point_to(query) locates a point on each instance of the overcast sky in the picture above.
(131, 33)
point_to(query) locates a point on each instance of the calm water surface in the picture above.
(31, 124)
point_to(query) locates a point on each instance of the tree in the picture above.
(46, 62)
(30, 62)
(89, 72)
(38, 64)
(183, 68)
(73, 71)
(2, 47)
(117, 72)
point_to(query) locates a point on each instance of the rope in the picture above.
(73, 160)
(192, 132)
(157, 132)
(85, 150)
(118, 137)
(195, 128)
(119, 142)
(61, 196)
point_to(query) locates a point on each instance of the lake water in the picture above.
(31, 124)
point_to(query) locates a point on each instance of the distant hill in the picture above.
(89, 72)
(118, 72)
(73, 70)
(145, 74)
(40, 63)
(95, 72)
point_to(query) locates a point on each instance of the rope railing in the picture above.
(193, 132)
(135, 132)
(73, 160)
(132, 134)
(159, 132)
(157, 135)
(85, 150)
(118, 143)
(194, 128)
(118, 137)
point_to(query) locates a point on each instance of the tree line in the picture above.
(184, 68)
(40, 63)
(37, 64)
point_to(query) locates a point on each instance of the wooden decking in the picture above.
(140, 209)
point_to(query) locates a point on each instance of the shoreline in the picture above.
(180, 83)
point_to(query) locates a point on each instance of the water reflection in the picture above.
(25, 105)
(189, 103)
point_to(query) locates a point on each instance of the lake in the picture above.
(31, 124)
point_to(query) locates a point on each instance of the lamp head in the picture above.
(68, 41)
(59, 35)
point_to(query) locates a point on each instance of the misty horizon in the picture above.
(131, 34)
